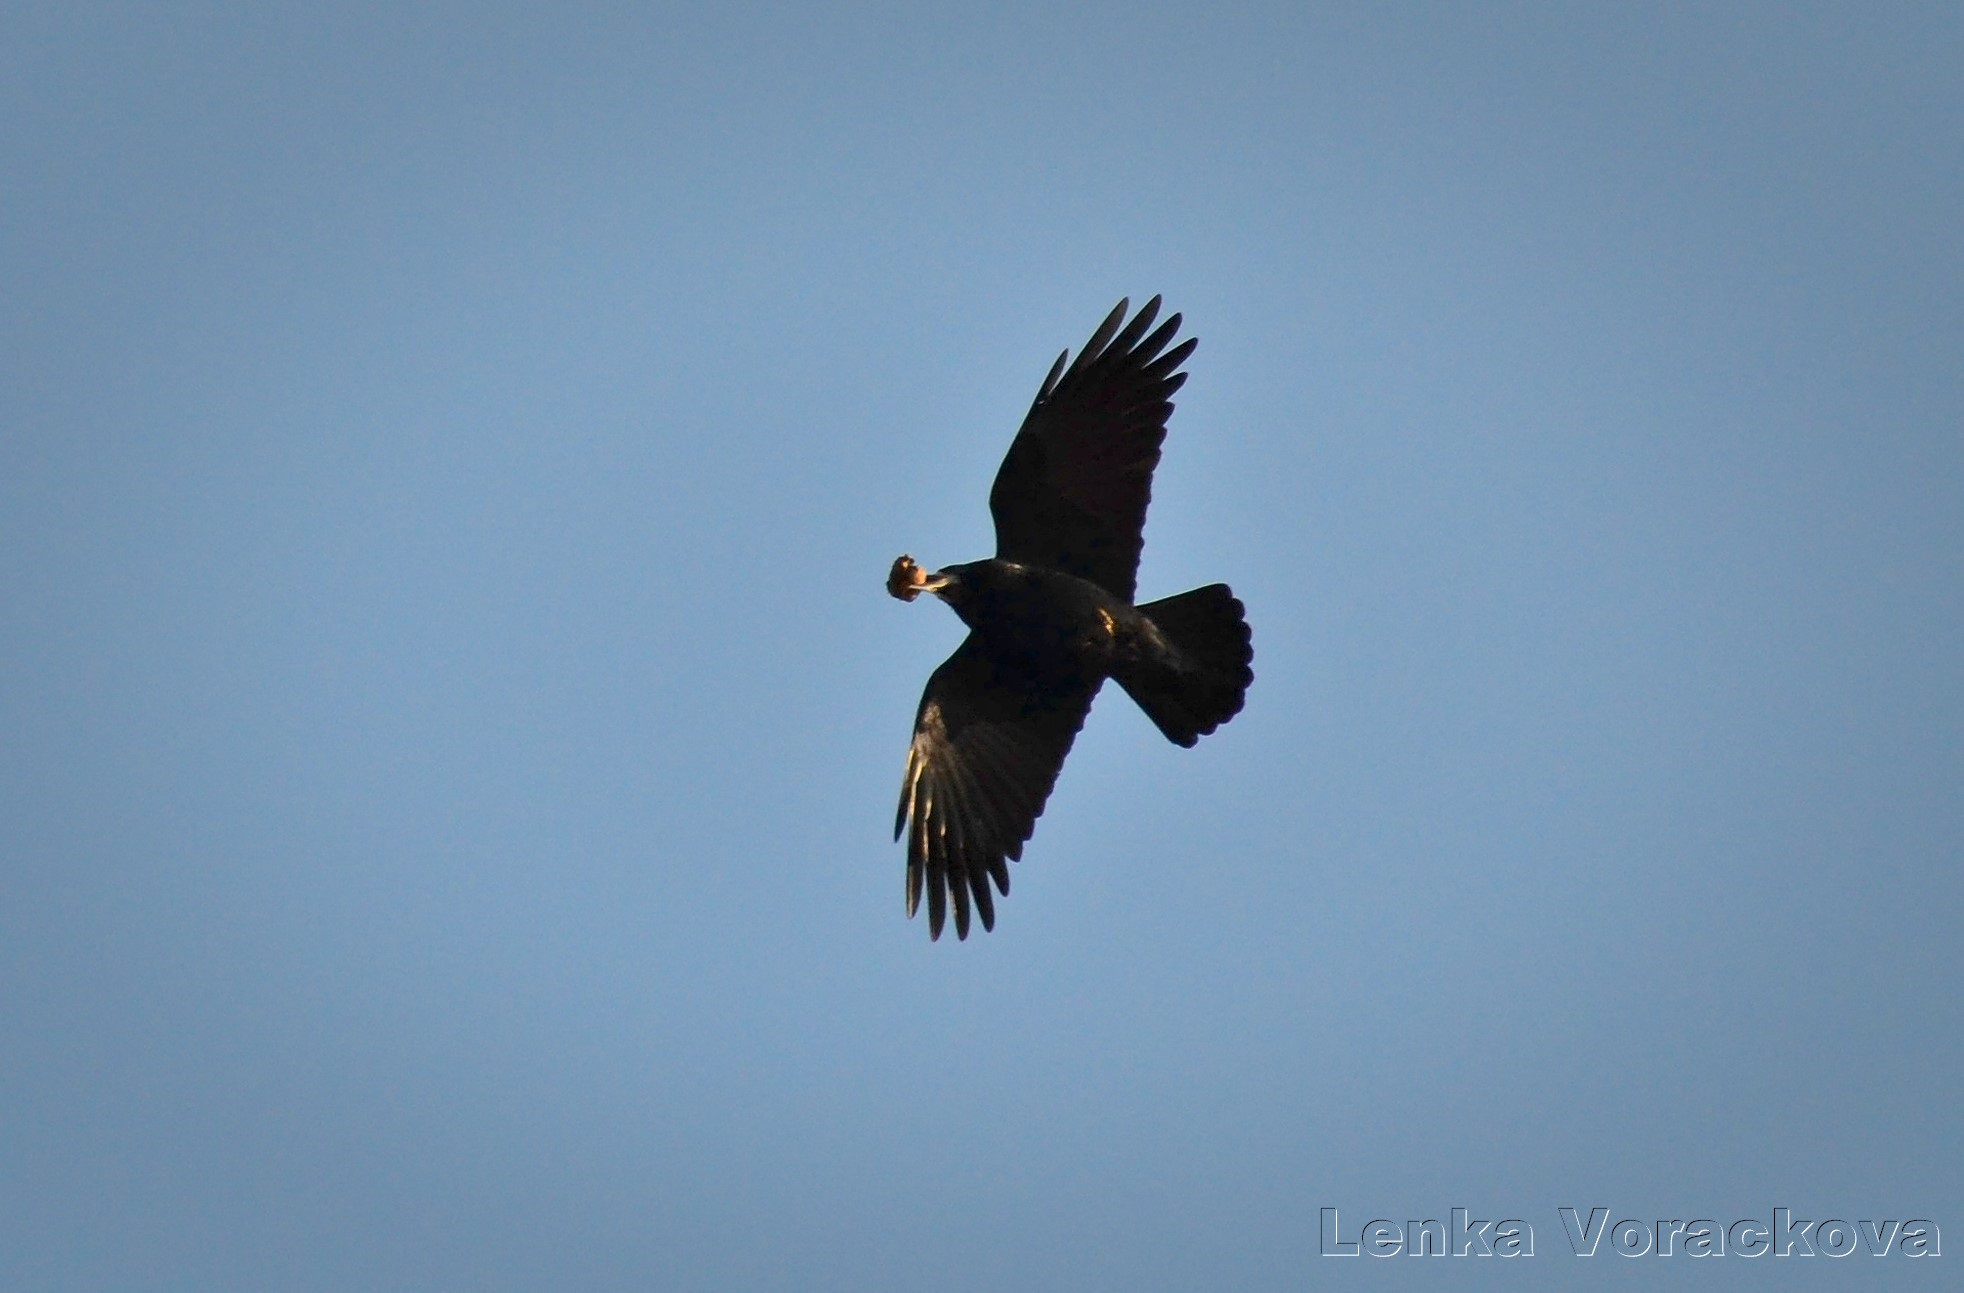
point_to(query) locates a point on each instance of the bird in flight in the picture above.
(1050, 617)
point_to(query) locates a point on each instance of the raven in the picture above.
(1050, 617)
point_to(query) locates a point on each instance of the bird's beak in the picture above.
(907, 580)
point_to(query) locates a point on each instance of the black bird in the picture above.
(1050, 617)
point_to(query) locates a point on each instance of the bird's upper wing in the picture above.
(1072, 493)
(987, 747)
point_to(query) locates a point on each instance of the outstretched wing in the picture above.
(987, 747)
(1072, 493)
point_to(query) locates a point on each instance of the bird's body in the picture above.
(1054, 627)
(1051, 617)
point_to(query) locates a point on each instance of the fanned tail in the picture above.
(1205, 682)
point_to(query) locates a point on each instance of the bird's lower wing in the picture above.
(988, 744)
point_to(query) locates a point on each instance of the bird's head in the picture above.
(907, 580)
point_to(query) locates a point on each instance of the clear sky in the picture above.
(449, 460)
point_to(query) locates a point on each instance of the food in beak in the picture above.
(907, 580)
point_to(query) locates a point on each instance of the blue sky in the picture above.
(449, 459)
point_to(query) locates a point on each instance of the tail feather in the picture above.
(1201, 679)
